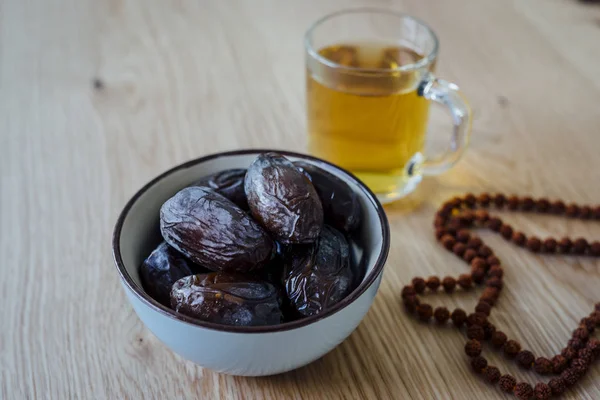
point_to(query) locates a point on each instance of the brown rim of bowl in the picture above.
(355, 294)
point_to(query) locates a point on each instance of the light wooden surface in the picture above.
(180, 79)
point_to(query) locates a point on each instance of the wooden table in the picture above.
(98, 97)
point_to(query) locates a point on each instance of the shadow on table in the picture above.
(361, 367)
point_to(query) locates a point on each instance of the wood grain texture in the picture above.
(179, 79)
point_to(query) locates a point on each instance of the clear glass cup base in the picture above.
(404, 187)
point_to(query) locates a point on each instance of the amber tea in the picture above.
(370, 121)
(369, 83)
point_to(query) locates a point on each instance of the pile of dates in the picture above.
(256, 247)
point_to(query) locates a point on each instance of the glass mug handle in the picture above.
(447, 94)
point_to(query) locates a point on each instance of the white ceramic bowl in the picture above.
(250, 351)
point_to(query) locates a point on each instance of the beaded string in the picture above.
(452, 222)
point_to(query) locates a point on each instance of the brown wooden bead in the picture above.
(519, 238)
(499, 199)
(459, 249)
(458, 316)
(492, 260)
(596, 212)
(484, 199)
(490, 292)
(483, 307)
(569, 353)
(478, 364)
(572, 211)
(411, 303)
(470, 200)
(481, 216)
(557, 385)
(425, 312)
(549, 245)
(492, 374)
(559, 363)
(594, 346)
(586, 355)
(595, 249)
(495, 282)
(454, 224)
(438, 224)
(498, 339)
(512, 202)
(455, 202)
(473, 348)
(527, 203)
(441, 315)
(484, 252)
(589, 323)
(446, 208)
(449, 283)
(474, 243)
(463, 236)
(408, 291)
(525, 358)
(489, 295)
(465, 281)
(476, 318)
(494, 224)
(511, 348)
(475, 332)
(468, 217)
(542, 205)
(440, 232)
(542, 366)
(569, 376)
(469, 255)
(580, 245)
(419, 284)
(580, 365)
(507, 383)
(542, 391)
(575, 344)
(534, 244)
(488, 330)
(433, 283)
(479, 262)
(448, 242)
(585, 212)
(564, 245)
(581, 333)
(506, 231)
(443, 212)
(478, 275)
(595, 316)
(496, 270)
(557, 207)
(523, 391)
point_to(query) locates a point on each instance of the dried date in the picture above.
(227, 298)
(228, 183)
(318, 275)
(283, 200)
(341, 206)
(212, 231)
(163, 267)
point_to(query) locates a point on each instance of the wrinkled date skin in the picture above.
(283, 200)
(319, 275)
(226, 298)
(341, 207)
(161, 269)
(212, 231)
(229, 184)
